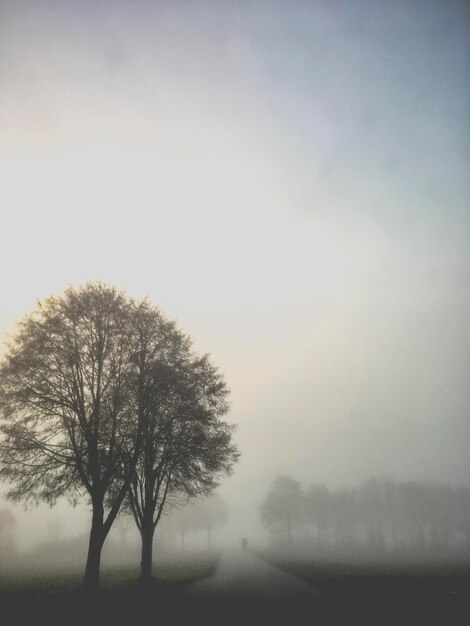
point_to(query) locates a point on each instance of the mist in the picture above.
(289, 182)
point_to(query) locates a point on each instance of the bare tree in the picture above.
(318, 509)
(344, 508)
(199, 514)
(208, 514)
(372, 511)
(69, 408)
(213, 514)
(283, 508)
(186, 445)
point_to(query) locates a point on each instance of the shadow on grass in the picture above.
(59, 598)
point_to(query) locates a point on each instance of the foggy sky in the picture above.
(289, 180)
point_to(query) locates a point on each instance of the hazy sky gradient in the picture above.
(287, 179)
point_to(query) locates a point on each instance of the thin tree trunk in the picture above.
(95, 545)
(209, 538)
(147, 552)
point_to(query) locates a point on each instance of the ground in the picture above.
(246, 588)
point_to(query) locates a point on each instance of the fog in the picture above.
(289, 181)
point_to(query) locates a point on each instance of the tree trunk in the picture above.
(95, 545)
(209, 538)
(147, 551)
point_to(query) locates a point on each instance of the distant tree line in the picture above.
(380, 514)
(101, 395)
(201, 515)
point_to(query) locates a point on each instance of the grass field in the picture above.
(423, 589)
(365, 593)
(57, 595)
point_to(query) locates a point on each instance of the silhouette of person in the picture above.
(244, 544)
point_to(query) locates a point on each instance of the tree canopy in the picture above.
(186, 446)
(282, 508)
(94, 384)
(68, 405)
